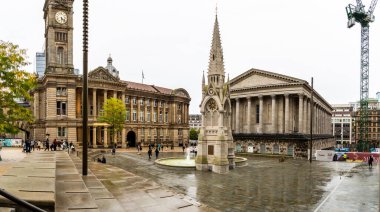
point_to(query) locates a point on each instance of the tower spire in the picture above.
(216, 64)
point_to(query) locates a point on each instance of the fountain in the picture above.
(182, 163)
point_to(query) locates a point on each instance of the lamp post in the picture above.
(85, 87)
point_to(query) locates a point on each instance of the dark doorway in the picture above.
(131, 139)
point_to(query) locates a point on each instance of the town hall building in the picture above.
(154, 114)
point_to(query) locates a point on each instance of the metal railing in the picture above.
(20, 202)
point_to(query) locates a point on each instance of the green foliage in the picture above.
(114, 114)
(194, 134)
(15, 83)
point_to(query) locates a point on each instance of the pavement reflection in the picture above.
(267, 185)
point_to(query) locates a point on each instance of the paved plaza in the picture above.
(131, 182)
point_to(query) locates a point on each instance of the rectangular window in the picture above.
(155, 103)
(134, 115)
(61, 132)
(142, 132)
(128, 115)
(257, 114)
(148, 116)
(210, 150)
(166, 117)
(179, 132)
(127, 100)
(61, 37)
(154, 116)
(60, 55)
(179, 106)
(134, 100)
(142, 116)
(61, 91)
(61, 108)
(160, 118)
(141, 101)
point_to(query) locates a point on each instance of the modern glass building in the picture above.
(40, 64)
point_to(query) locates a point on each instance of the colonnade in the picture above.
(280, 113)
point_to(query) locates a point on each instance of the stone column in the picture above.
(305, 109)
(237, 127)
(286, 128)
(94, 137)
(105, 137)
(123, 138)
(274, 124)
(300, 113)
(249, 115)
(123, 97)
(138, 109)
(261, 105)
(115, 94)
(94, 102)
(105, 96)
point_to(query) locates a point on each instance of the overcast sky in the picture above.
(170, 40)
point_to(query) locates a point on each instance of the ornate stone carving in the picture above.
(102, 74)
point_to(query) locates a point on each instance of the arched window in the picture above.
(60, 58)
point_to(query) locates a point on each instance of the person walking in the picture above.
(47, 144)
(370, 160)
(150, 153)
(114, 149)
(157, 152)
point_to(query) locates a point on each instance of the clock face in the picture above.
(61, 17)
(212, 105)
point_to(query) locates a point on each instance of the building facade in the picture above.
(373, 122)
(40, 64)
(154, 114)
(195, 121)
(343, 124)
(271, 114)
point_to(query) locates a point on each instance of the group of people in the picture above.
(30, 145)
(157, 150)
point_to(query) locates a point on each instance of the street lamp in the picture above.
(85, 87)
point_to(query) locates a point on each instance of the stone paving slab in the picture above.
(31, 181)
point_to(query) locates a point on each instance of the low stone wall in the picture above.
(295, 145)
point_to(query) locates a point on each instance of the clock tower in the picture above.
(58, 15)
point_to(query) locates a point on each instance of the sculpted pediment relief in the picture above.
(102, 74)
(256, 78)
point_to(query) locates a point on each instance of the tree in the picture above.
(194, 134)
(114, 115)
(15, 85)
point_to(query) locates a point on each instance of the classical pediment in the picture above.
(101, 73)
(258, 78)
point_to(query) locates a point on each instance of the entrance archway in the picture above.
(131, 139)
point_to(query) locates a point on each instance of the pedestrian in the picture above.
(47, 144)
(55, 144)
(104, 159)
(114, 149)
(183, 148)
(150, 153)
(32, 145)
(370, 160)
(157, 152)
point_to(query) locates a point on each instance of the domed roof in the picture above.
(112, 68)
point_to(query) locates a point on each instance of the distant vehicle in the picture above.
(342, 149)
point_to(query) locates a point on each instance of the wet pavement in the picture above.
(267, 185)
(10, 156)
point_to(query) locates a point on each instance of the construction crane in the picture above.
(358, 14)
